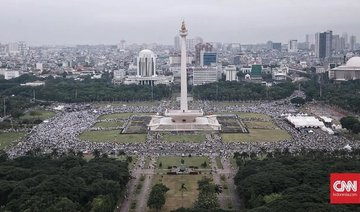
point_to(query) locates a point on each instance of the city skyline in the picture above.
(68, 23)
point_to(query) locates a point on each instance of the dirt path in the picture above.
(230, 172)
(216, 177)
(142, 198)
(131, 187)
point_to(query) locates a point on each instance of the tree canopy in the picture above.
(61, 183)
(297, 182)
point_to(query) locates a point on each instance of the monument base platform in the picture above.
(177, 121)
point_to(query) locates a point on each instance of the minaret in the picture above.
(183, 101)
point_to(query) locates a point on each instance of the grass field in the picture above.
(260, 124)
(38, 114)
(174, 198)
(112, 136)
(256, 135)
(115, 116)
(107, 124)
(7, 138)
(244, 115)
(196, 138)
(176, 161)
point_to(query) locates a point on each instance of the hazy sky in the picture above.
(142, 21)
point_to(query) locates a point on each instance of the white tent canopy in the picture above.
(304, 121)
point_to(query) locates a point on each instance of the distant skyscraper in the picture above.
(177, 43)
(336, 43)
(13, 48)
(199, 48)
(323, 45)
(276, 46)
(346, 38)
(208, 58)
(352, 42)
(292, 46)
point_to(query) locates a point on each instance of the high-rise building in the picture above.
(346, 38)
(203, 75)
(208, 58)
(199, 48)
(323, 45)
(336, 43)
(292, 46)
(146, 63)
(13, 48)
(276, 46)
(352, 42)
(177, 43)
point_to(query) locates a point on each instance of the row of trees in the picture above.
(61, 183)
(351, 123)
(345, 94)
(292, 181)
(240, 91)
(69, 90)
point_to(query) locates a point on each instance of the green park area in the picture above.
(37, 114)
(115, 116)
(192, 138)
(260, 129)
(167, 161)
(112, 136)
(177, 197)
(108, 124)
(7, 138)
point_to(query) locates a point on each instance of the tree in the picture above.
(356, 128)
(157, 196)
(298, 101)
(348, 122)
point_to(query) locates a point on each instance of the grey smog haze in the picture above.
(108, 21)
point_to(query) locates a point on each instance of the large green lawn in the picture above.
(256, 135)
(38, 114)
(167, 161)
(260, 124)
(196, 138)
(107, 124)
(174, 197)
(7, 138)
(112, 136)
(115, 116)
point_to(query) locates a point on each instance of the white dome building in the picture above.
(349, 71)
(146, 63)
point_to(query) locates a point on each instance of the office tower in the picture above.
(346, 38)
(208, 58)
(352, 42)
(177, 43)
(292, 46)
(199, 48)
(323, 45)
(336, 43)
(276, 46)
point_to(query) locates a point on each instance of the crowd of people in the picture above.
(62, 132)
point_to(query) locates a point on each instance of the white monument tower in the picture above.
(184, 100)
(184, 119)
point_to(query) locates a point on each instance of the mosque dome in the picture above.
(353, 62)
(146, 53)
